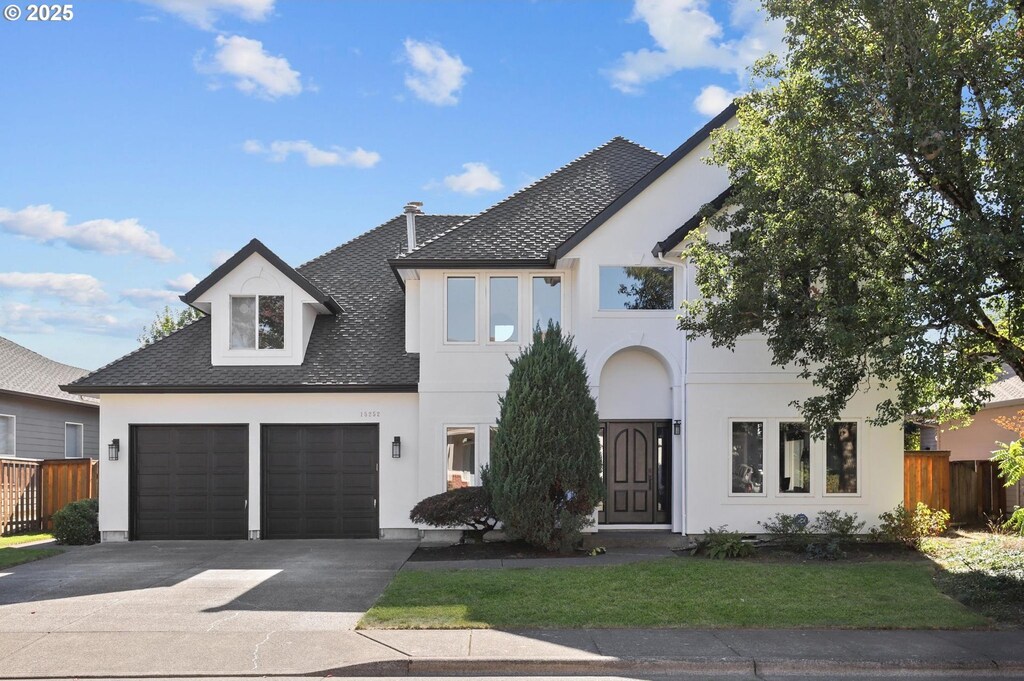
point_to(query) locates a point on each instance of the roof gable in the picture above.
(647, 180)
(676, 237)
(256, 246)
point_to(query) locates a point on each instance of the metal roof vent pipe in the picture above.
(412, 209)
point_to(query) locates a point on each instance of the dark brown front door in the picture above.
(637, 457)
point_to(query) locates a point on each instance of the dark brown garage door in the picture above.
(189, 482)
(319, 481)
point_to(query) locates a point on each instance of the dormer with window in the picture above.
(261, 310)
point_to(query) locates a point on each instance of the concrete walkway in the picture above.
(484, 652)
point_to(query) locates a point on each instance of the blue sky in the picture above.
(142, 142)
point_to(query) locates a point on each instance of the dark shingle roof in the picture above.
(528, 225)
(29, 373)
(362, 348)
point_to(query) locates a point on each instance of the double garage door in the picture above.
(191, 482)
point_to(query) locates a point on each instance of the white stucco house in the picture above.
(326, 400)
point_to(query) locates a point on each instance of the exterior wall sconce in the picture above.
(396, 448)
(677, 427)
(113, 449)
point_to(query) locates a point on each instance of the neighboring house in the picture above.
(977, 441)
(326, 400)
(38, 420)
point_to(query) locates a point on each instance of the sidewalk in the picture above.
(485, 652)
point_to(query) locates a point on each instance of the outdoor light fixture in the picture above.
(113, 449)
(677, 427)
(396, 448)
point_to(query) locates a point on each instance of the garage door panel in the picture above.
(307, 473)
(190, 482)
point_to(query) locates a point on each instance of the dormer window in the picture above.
(257, 322)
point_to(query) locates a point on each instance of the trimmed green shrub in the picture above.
(790, 529)
(463, 507)
(910, 527)
(545, 472)
(837, 525)
(720, 544)
(77, 523)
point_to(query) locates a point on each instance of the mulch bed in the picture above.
(491, 550)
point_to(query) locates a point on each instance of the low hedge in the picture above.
(77, 523)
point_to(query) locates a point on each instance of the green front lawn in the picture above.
(13, 556)
(672, 593)
(16, 539)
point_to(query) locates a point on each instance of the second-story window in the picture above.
(547, 301)
(504, 310)
(461, 310)
(257, 322)
(636, 288)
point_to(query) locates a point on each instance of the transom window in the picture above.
(73, 441)
(257, 322)
(504, 310)
(7, 435)
(841, 458)
(636, 288)
(461, 310)
(547, 301)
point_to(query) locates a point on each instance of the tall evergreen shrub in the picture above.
(545, 469)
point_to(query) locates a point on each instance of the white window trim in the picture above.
(476, 310)
(444, 448)
(621, 312)
(562, 292)
(824, 464)
(14, 433)
(257, 350)
(765, 468)
(487, 309)
(814, 456)
(81, 439)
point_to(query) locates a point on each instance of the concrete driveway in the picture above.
(194, 607)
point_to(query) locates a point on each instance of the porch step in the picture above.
(654, 539)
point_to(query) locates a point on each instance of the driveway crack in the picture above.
(256, 650)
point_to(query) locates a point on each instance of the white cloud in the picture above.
(46, 225)
(182, 283)
(713, 98)
(21, 318)
(149, 297)
(687, 36)
(437, 76)
(477, 177)
(315, 157)
(254, 71)
(82, 289)
(204, 13)
(220, 257)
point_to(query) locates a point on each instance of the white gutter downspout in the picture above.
(682, 398)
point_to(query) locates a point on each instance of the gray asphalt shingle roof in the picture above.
(362, 348)
(529, 224)
(1007, 388)
(29, 373)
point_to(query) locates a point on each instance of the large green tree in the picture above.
(876, 224)
(545, 470)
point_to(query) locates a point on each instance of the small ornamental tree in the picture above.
(545, 469)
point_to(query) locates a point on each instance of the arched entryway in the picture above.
(635, 408)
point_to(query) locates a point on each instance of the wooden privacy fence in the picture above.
(969, 490)
(31, 491)
(926, 477)
(978, 491)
